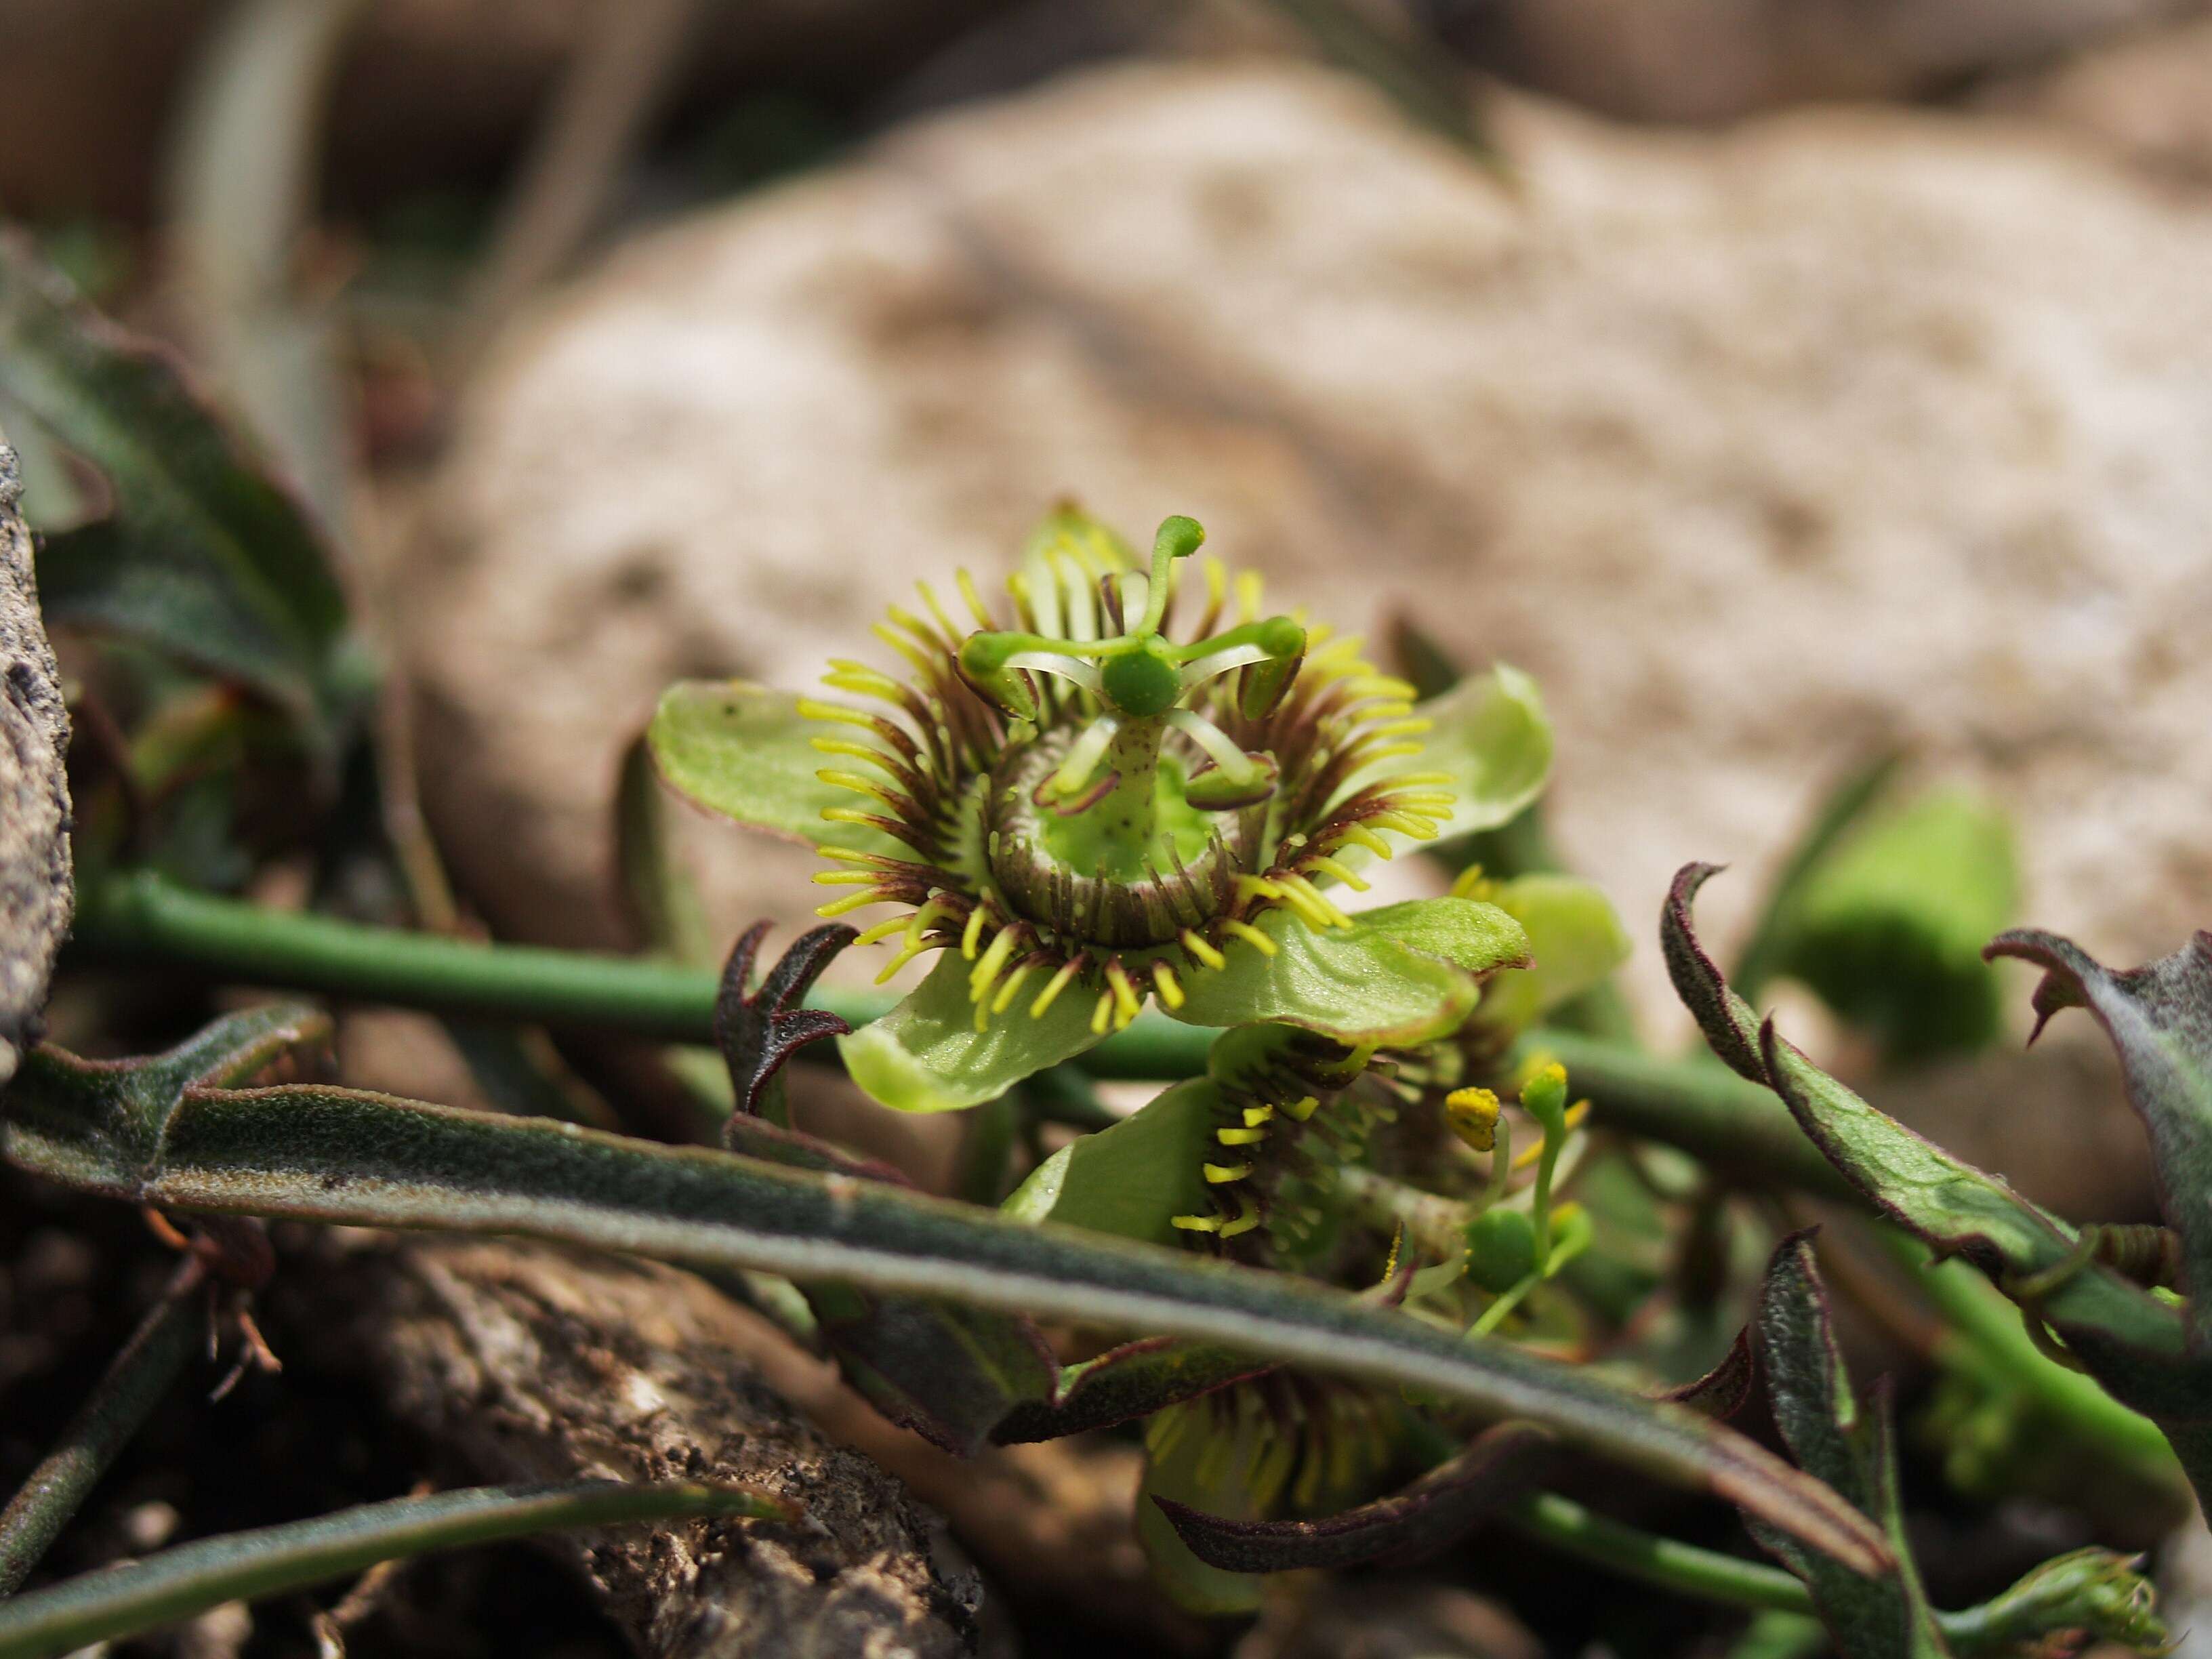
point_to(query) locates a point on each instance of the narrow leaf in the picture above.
(345, 1157)
(162, 1589)
(1133, 1381)
(1729, 1023)
(1434, 1511)
(2158, 1019)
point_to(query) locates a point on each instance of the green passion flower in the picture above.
(1083, 804)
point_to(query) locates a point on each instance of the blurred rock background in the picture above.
(1778, 380)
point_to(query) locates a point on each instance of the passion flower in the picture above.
(1084, 803)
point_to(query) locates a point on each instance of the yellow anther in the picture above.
(1251, 935)
(972, 933)
(1299, 1110)
(1473, 1117)
(1102, 1013)
(813, 709)
(1255, 1116)
(1164, 981)
(1240, 1137)
(1343, 872)
(1222, 1174)
(1196, 1224)
(1052, 990)
(1196, 943)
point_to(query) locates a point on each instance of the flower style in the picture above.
(1081, 814)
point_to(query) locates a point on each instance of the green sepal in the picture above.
(1575, 938)
(1491, 734)
(1400, 976)
(925, 1055)
(1133, 1179)
(746, 752)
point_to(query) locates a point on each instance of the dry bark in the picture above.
(525, 1362)
(35, 892)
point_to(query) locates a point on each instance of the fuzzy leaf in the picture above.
(1433, 1513)
(746, 752)
(1871, 1618)
(1402, 974)
(205, 556)
(1489, 732)
(1575, 939)
(2158, 1019)
(1729, 1024)
(351, 1159)
(1130, 1180)
(925, 1055)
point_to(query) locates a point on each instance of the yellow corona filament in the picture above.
(1222, 1174)
(976, 608)
(1358, 834)
(881, 931)
(862, 751)
(1343, 872)
(972, 933)
(1058, 983)
(1405, 824)
(1248, 1217)
(1255, 1116)
(1249, 590)
(986, 972)
(1125, 1002)
(1299, 1110)
(1012, 988)
(1472, 1115)
(858, 786)
(929, 597)
(1412, 728)
(1240, 1137)
(847, 815)
(1252, 887)
(1298, 885)
(854, 902)
(1196, 1224)
(1216, 582)
(1165, 982)
(1308, 908)
(915, 658)
(1251, 935)
(1196, 943)
(846, 877)
(813, 710)
(1102, 1013)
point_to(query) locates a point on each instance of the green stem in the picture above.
(149, 1364)
(1666, 1563)
(176, 1583)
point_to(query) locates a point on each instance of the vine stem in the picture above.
(136, 1381)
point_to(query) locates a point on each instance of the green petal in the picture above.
(1491, 734)
(925, 1055)
(745, 751)
(1133, 1179)
(1575, 936)
(1405, 974)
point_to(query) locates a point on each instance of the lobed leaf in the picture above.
(2158, 1019)
(345, 1157)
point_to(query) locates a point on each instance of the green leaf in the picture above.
(1871, 1618)
(1133, 1381)
(1574, 940)
(1887, 928)
(1491, 734)
(1434, 1511)
(343, 1157)
(123, 1601)
(1842, 810)
(925, 1055)
(662, 902)
(746, 752)
(2158, 1019)
(1130, 1180)
(204, 557)
(1402, 974)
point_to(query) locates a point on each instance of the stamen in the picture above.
(1082, 757)
(1234, 762)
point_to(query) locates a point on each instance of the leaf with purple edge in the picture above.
(757, 1031)
(1133, 1381)
(1433, 1513)
(2158, 1019)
